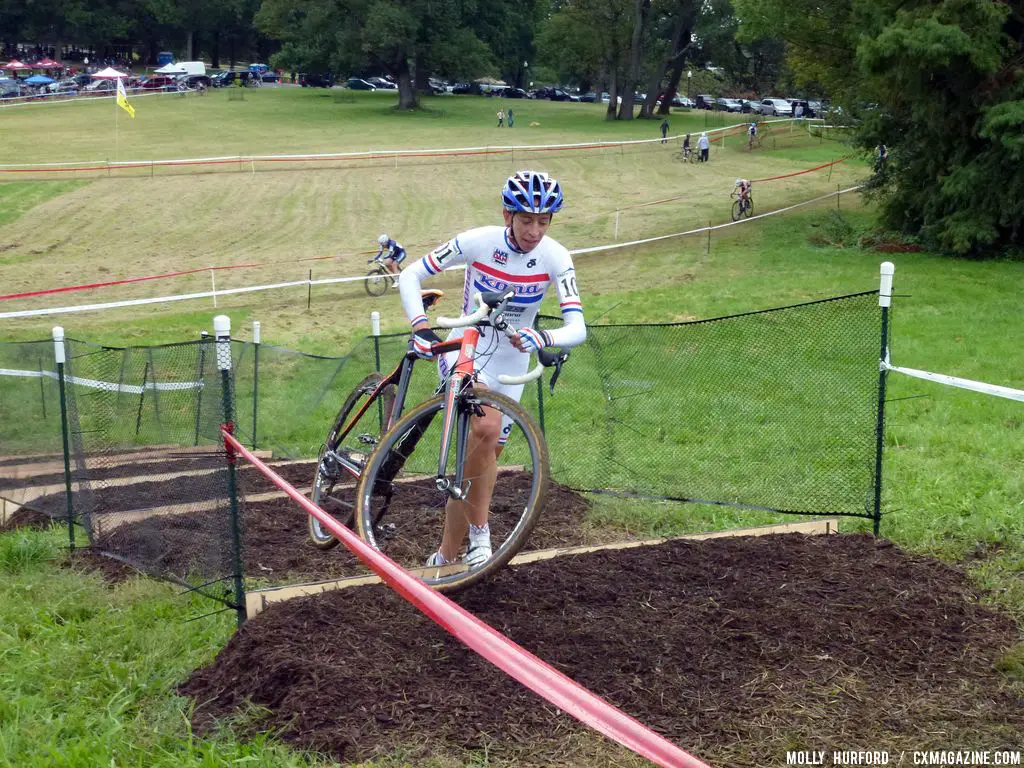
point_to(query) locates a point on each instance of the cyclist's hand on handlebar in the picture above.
(422, 341)
(529, 340)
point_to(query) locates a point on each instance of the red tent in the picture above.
(48, 63)
(15, 65)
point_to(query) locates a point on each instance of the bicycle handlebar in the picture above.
(481, 313)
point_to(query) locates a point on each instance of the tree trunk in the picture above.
(673, 85)
(613, 93)
(406, 91)
(642, 8)
(682, 31)
(215, 49)
(191, 45)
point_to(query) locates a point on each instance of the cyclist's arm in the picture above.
(574, 329)
(412, 277)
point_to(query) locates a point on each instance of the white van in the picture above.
(776, 108)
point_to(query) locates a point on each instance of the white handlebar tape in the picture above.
(458, 322)
(525, 378)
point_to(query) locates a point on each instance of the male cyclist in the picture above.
(518, 257)
(751, 134)
(395, 254)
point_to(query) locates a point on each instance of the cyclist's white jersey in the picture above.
(494, 264)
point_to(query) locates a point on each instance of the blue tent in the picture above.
(38, 80)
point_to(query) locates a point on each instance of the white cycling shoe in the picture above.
(479, 550)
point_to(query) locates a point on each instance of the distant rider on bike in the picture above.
(395, 255)
(518, 257)
(741, 189)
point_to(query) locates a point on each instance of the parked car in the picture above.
(270, 77)
(381, 84)
(751, 106)
(776, 108)
(15, 91)
(515, 93)
(99, 86)
(63, 88)
(807, 111)
(729, 105)
(316, 79)
(194, 81)
(590, 97)
(463, 89)
(358, 84)
(704, 101)
(222, 79)
(83, 79)
(156, 83)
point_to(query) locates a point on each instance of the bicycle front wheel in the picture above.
(377, 282)
(737, 210)
(352, 438)
(401, 511)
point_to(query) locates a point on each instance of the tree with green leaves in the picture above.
(938, 82)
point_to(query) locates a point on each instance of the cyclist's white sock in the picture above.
(477, 531)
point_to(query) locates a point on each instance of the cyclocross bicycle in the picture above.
(742, 208)
(392, 475)
(378, 280)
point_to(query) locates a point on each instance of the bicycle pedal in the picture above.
(367, 439)
(385, 530)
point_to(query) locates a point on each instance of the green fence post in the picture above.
(142, 399)
(42, 387)
(375, 332)
(884, 301)
(60, 357)
(200, 374)
(255, 377)
(222, 336)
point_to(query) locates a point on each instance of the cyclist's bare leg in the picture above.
(482, 469)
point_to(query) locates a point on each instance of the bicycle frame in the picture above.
(399, 378)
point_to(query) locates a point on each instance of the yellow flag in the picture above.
(122, 99)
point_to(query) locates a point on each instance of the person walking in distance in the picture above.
(704, 145)
(664, 130)
(510, 118)
(517, 257)
(501, 117)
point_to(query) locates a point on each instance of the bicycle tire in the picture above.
(377, 282)
(748, 210)
(413, 529)
(736, 213)
(322, 487)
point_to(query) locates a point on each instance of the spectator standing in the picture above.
(501, 117)
(510, 118)
(664, 130)
(704, 146)
(799, 111)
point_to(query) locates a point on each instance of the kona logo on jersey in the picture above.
(531, 264)
(499, 257)
(527, 291)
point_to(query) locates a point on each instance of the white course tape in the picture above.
(955, 381)
(169, 386)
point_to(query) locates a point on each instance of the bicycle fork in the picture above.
(457, 420)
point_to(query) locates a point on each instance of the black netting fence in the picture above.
(774, 410)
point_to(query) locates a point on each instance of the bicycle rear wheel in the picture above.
(342, 457)
(401, 511)
(377, 282)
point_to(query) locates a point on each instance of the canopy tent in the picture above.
(48, 63)
(15, 65)
(108, 74)
(171, 69)
(38, 80)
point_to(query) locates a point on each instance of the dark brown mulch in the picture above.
(102, 468)
(276, 545)
(736, 648)
(112, 571)
(26, 518)
(183, 490)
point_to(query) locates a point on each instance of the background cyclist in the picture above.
(393, 252)
(741, 189)
(518, 256)
(751, 134)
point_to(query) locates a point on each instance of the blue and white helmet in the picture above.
(531, 192)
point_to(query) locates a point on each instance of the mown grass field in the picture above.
(89, 671)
